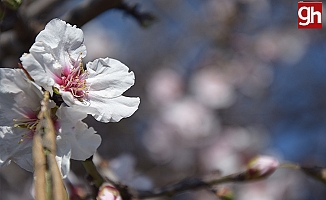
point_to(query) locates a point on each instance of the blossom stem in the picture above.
(90, 168)
(289, 166)
(26, 72)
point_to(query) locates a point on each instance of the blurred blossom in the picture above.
(289, 47)
(191, 121)
(281, 185)
(211, 88)
(123, 166)
(257, 192)
(165, 86)
(250, 140)
(166, 146)
(220, 156)
(180, 127)
(220, 11)
(159, 141)
(123, 169)
(251, 76)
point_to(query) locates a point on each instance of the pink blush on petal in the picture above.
(58, 80)
(66, 70)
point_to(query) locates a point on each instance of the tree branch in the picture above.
(88, 10)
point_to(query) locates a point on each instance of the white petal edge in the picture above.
(109, 77)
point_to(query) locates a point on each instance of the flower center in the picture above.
(30, 122)
(74, 81)
(27, 123)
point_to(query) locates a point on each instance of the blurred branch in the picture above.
(19, 28)
(40, 7)
(257, 169)
(143, 18)
(88, 10)
(318, 173)
(192, 184)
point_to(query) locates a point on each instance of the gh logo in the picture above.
(310, 14)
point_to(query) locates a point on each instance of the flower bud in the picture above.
(225, 194)
(261, 167)
(108, 192)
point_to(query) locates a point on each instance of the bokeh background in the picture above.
(220, 82)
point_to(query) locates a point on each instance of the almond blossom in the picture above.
(55, 63)
(20, 104)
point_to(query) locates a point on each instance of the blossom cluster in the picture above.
(54, 64)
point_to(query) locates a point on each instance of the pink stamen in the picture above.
(74, 82)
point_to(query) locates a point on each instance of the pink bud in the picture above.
(108, 192)
(225, 193)
(261, 167)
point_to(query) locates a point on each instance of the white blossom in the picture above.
(20, 104)
(55, 63)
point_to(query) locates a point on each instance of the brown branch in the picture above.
(40, 7)
(189, 184)
(20, 33)
(88, 10)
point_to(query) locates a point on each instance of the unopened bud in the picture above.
(225, 194)
(108, 192)
(261, 167)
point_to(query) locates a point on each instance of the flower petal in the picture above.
(56, 47)
(36, 67)
(63, 38)
(70, 115)
(109, 77)
(11, 149)
(82, 140)
(113, 110)
(63, 155)
(18, 95)
(25, 160)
